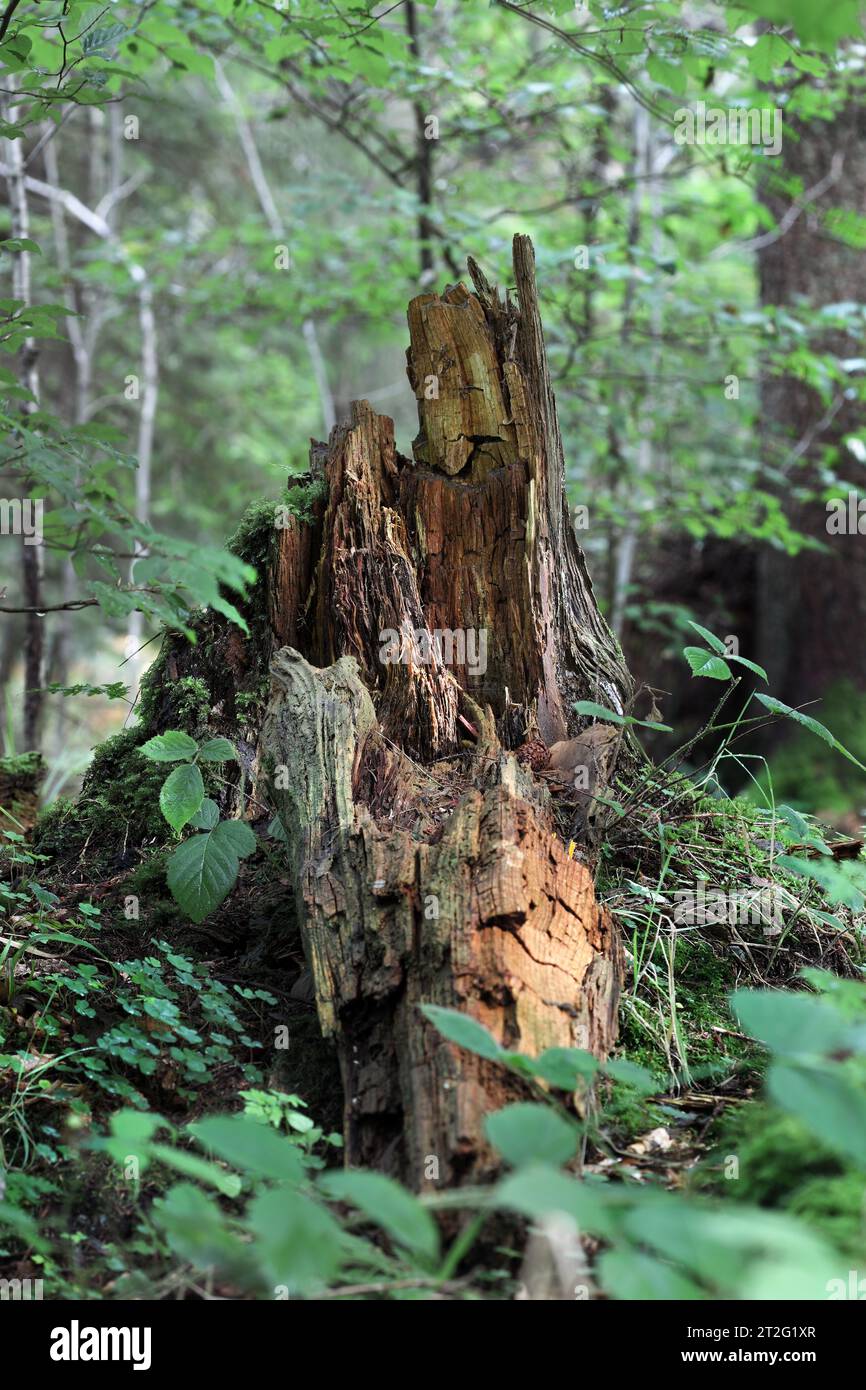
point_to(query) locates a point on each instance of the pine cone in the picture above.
(534, 752)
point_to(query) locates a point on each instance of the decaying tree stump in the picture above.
(435, 615)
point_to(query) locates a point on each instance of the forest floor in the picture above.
(179, 1022)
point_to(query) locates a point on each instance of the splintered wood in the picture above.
(433, 617)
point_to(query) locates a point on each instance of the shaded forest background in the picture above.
(238, 212)
(266, 1017)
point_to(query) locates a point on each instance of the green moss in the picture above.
(254, 535)
(192, 703)
(249, 704)
(705, 980)
(301, 499)
(118, 805)
(253, 538)
(20, 765)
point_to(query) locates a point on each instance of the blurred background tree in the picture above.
(232, 203)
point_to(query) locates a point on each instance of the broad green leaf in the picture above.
(202, 872)
(238, 836)
(527, 1133)
(206, 816)
(819, 26)
(21, 243)
(217, 750)
(797, 822)
(181, 795)
(791, 1023)
(130, 1134)
(768, 55)
(170, 747)
(193, 1166)
(724, 1245)
(464, 1031)
(250, 1146)
(666, 74)
(631, 1274)
(197, 1230)
(541, 1190)
(706, 664)
(836, 881)
(388, 1204)
(828, 1102)
(749, 665)
(562, 1066)
(298, 1242)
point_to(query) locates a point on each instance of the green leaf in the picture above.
(561, 1066)
(715, 643)
(250, 1146)
(705, 664)
(206, 816)
(540, 1190)
(778, 707)
(728, 1247)
(768, 55)
(790, 1023)
(170, 747)
(196, 1228)
(21, 243)
(631, 1274)
(388, 1204)
(298, 1242)
(237, 834)
(202, 872)
(828, 1102)
(217, 750)
(666, 74)
(192, 1166)
(819, 26)
(130, 1135)
(595, 711)
(464, 1031)
(835, 881)
(527, 1133)
(749, 665)
(610, 716)
(181, 795)
(632, 1074)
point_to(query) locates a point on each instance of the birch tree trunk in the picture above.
(32, 556)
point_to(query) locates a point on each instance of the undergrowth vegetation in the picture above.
(160, 1139)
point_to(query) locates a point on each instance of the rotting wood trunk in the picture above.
(435, 616)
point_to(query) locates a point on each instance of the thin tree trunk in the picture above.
(423, 160)
(32, 558)
(146, 426)
(275, 223)
(82, 377)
